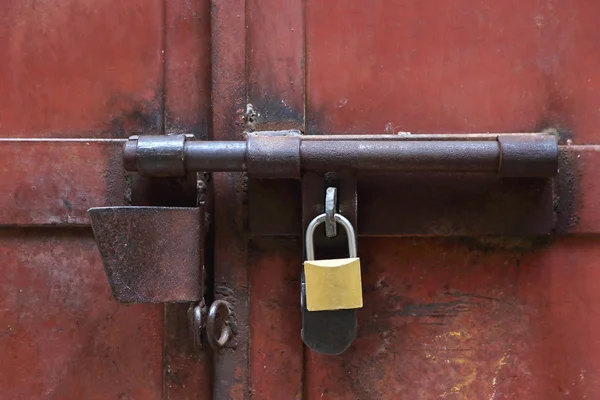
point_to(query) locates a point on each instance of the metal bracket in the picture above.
(151, 254)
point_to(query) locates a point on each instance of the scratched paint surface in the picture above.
(457, 320)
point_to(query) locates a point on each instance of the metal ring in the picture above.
(225, 334)
(195, 315)
(330, 207)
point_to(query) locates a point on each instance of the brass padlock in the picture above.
(332, 284)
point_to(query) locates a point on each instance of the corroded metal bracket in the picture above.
(151, 254)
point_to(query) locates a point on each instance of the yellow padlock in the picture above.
(332, 284)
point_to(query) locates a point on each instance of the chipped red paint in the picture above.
(230, 239)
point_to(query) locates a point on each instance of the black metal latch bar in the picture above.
(288, 154)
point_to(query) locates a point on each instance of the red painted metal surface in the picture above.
(230, 239)
(74, 176)
(187, 370)
(275, 53)
(90, 69)
(479, 318)
(469, 320)
(275, 357)
(73, 69)
(457, 319)
(461, 66)
(187, 67)
(81, 69)
(62, 335)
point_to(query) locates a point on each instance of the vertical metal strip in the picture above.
(230, 249)
(276, 86)
(185, 109)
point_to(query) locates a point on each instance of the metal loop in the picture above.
(225, 334)
(196, 315)
(330, 208)
(340, 219)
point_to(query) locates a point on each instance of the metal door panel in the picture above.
(461, 66)
(479, 318)
(452, 318)
(63, 335)
(470, 318)
(82, 70)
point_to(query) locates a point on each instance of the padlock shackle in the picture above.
(318, 220)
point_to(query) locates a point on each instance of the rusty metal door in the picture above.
(92, 70)
(445, 317)
(452, 318)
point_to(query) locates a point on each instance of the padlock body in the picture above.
(333, 284)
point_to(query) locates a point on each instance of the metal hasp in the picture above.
(277, 155)
(433, 167)
(151, 254)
